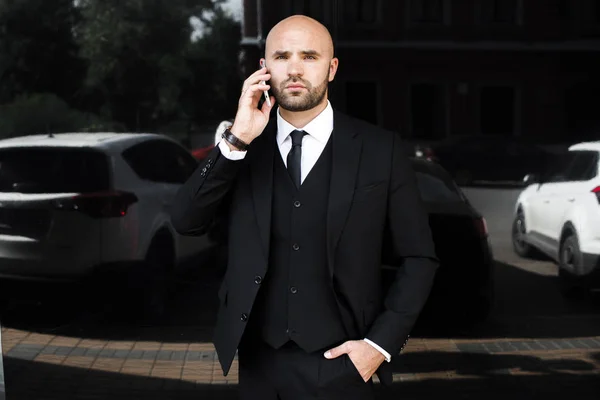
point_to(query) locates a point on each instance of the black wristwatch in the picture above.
(234, 140)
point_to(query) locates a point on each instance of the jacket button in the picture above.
(296, 247)
(258, 280)
(244, 317)
(294, 289)
(297, 204)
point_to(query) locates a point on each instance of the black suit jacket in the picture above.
(374, 216)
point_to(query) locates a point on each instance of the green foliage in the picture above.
(135, 52)
(45, 113)
(214, 58)
(37, 49)
(128, 61)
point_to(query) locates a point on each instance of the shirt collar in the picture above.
(320, 127)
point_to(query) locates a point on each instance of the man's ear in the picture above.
(333, 67)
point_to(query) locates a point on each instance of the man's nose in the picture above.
(295, 68)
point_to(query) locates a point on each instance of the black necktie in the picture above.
(295, 156)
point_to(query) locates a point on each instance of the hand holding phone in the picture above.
(266, 92)
(250, 119)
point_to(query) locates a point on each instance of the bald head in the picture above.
(299, 58)
(289, 30)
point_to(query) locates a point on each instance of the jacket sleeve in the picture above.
(199, 201)
(413, 253)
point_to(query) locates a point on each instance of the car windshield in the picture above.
(53, 170)
(437, 189)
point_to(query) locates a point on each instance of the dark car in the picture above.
(484, 158)
(463, 289)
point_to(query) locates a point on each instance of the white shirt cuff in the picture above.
(233, 155)
(387, 356)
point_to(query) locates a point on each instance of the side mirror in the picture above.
(531, 179)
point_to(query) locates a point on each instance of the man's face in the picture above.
(301, 67)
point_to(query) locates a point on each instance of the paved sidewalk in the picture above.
(43, 366)
(2, 392)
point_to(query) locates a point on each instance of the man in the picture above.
(312, 200)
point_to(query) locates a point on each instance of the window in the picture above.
(178, 164)
(53, 170)
(573, 166)
(591, 12)
(427, 11)
(556, 167)
(317, 9)
(428, 109)
(497, 112)
(363, 12)
(146, 161)
(160, 161)
(504, 12)
(583, 167)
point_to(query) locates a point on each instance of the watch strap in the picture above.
(234, 140)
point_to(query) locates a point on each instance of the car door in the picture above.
(541, 203)
(145, 159)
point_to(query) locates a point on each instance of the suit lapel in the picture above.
(261, 171)
(344, 170)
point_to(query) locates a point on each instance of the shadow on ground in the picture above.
(528, 305)
(477, 376)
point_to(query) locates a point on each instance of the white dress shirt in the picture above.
(318, 133)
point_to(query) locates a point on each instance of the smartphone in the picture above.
(266, 92)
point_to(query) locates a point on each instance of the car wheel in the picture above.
(518, 232)
(569, 265)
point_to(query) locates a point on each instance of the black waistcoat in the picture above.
(296, 300)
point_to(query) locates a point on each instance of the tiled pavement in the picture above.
(2, 397)
(45, 366)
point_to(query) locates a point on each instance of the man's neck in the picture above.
(299, 119)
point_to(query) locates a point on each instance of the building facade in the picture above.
(431, 69)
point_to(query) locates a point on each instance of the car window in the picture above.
(53, 170)
(436, 189)
(556, 167)
(146, 161)
(178, 163)
(160, 161)
(583, 167)
(572, 166)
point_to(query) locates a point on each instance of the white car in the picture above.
(558, 214)
(76, 203)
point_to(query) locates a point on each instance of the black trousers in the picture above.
(289, 373)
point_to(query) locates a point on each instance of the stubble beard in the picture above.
(303, 100)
